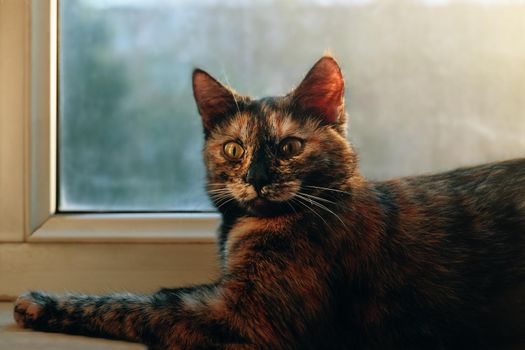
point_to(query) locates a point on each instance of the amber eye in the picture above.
(291, 147)
(233, 150)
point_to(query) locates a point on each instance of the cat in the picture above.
(313, 255)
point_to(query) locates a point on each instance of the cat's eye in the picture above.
(291, 147)
(233, 150)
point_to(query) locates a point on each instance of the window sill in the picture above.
(128, 228)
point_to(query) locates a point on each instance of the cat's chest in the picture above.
(251, 233)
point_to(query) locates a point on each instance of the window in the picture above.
(130, 137)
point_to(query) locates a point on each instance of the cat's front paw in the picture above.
(30, 308)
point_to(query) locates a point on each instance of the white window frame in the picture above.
(41, 248)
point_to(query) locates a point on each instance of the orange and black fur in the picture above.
(314, 256)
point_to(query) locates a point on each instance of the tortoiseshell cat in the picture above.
(314, 256)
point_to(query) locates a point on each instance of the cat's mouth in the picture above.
(261, 200)
(270, 200)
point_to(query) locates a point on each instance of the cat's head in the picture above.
(270, 156)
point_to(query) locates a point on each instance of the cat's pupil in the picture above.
(233, 150)
(291, 147)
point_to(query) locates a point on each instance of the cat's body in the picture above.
(314, 256)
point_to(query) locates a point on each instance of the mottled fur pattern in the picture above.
(314, 256)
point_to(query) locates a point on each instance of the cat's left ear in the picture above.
(213, 99)
(322, 91)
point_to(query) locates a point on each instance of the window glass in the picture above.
(431, 85)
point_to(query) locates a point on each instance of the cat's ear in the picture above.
(322, 91)
(213, 99)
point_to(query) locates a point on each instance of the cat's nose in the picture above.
(258, 175)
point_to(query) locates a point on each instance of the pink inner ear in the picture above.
(327, 102)
(322, 90)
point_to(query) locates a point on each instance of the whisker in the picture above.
(223, 203)
(220, 194)
(219, 190)
(222, 197)
(318, 198)
(291, 206)
(308, 207)
(327, 189)
(300, 195)
(219, 197)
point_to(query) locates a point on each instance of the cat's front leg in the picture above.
(122, 316)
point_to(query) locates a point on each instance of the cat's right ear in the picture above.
(322, 91)
(213, 99)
